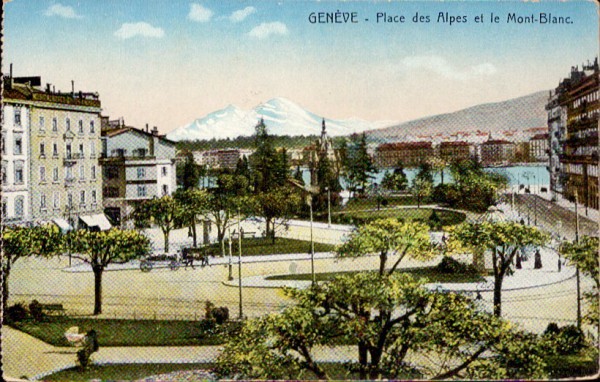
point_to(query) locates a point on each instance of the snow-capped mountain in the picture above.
(281, 116)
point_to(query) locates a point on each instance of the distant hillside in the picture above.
(516, 115)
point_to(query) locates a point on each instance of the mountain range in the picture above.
(281, 116)
(284, 117)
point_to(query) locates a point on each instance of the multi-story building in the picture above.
(456, 150)
(63, 142)
(221, 158)
(579, 158)
(411, 154)
(15, 157)
(557, 128)
(497, 152)
(539, 147)
(137, 165)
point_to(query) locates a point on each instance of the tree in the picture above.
(190, 173)
(438, 164)
(20, 242)
(193, 202)
(277, 207)
(421, 189)
(387, 238)
(502, 239)
(584, 255)
(263, 160)
(166, 212)
(389, 320)
(395, 180)
(99, 249)
(358, 164)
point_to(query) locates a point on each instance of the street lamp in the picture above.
(240, 234)
(328, 206)
(229, 262)
(312, 243)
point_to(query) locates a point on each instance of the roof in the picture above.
(404, 146)
(497, 142)
(114, 132)
(27, 92)
(543, 136)
(454, 144)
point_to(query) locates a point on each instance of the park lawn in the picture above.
(410, 214)
(357, 204)
(264, 246)
(430, 273)
(571, 366)
(123, 332)
(123, 371)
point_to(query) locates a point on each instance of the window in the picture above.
(17, 116)
(54, 150)
(68, 149)
(94, 200)
(55, 174)
(68, 123)
(19, 206)
(92, 149)
(4, 178)
(93, 172)
(165, 189)
(56, 200)
(69, 176)
(4, 209)
(81, 150)
(141, 173)
(111, 192)
(92, 128)
(82, 197)
(42, 149)
(43, 201)
(112, 172)
(18, 145)
(42, 174)
(54, 124)
(3, 145)
(80, 126)
(81, 172)
(69, 200)
(19, 171)
(42, 124)
(141, 190)
(164, 171)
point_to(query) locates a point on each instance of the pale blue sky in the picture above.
(168, 62)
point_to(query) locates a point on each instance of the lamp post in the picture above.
(328, 206)
(230, 277)
(240, 234)
(312, 243)
(576, 266)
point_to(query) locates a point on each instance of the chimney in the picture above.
(11, 82)
(155, 130)
(147, 128)
(73, 88)
(47, 88)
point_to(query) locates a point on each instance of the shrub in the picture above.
(16, 313)
(218, 315)
(434, 221)
(35, 309)
(449, 265)
(567, 340)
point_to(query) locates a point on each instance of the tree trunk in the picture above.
(382, 261)
(194, 233)
(6, 272)
(97, 289)
(166, 236)
(362, 359)
(498, 295)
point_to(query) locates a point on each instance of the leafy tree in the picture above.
(395, 180)
(242, 167)
(390, 320)
(438, 164)
(99, 249)
(421, 189)
(298, 175)
(584, 255)
(502, 239)
(21, 242)
(387, 238)
(166, 212)
(263, 161)
(277, 207)
(190, 173)
(193, 203)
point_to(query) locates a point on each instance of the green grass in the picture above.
(264, 246)
(361, 216)
(571, 366)
(119, 332)
(430, 273)
(123, 372)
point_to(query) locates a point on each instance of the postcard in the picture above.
(297, 189)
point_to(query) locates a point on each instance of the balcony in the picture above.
(70, 181)
(72, 158)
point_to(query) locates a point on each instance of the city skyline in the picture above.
(166, 63)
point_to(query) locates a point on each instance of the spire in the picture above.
(323, 127)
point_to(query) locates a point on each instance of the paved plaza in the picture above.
(532, 297)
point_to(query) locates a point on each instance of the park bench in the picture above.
(245, 235)
(53, 308)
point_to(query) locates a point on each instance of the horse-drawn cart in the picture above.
(174, 262)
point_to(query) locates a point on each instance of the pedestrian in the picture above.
(559, 264)
(537, 260)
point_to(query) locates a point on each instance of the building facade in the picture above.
(411, 154)
(497, 152)
(137, 165)
(557, 129)
(452, 151)
(62, 142)
(16, 206)
(579, 158)
(539, 147)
